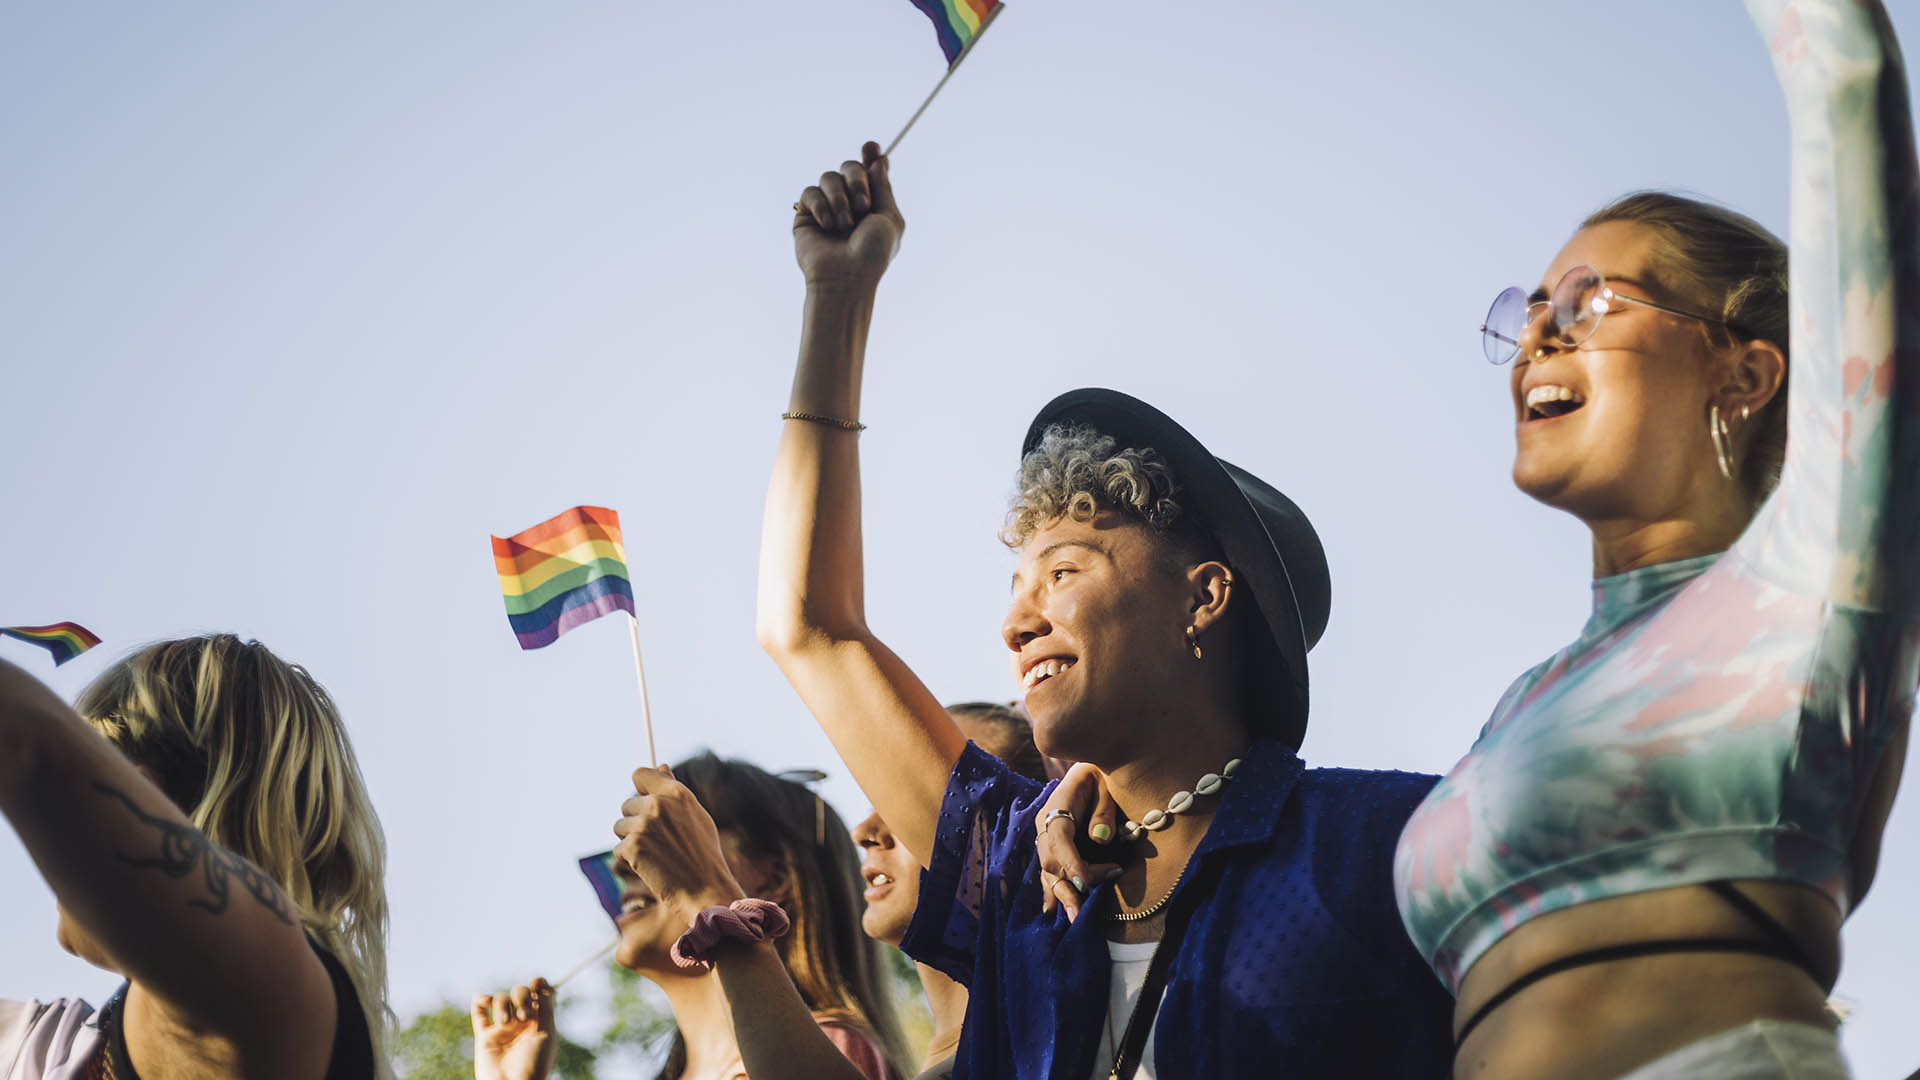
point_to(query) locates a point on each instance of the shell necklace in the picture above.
(1182, 801)
(1155, 820)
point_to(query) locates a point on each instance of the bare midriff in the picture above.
(1599, 1021)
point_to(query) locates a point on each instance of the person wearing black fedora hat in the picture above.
(1163, 605)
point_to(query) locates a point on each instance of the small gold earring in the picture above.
(1193, 642)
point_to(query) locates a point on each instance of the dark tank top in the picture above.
(352, 1045)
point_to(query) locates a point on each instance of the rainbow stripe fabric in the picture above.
(957, 22)
(567, 570)
(605, 881)
(65, 640)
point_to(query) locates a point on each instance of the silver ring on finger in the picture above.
(1055, 815)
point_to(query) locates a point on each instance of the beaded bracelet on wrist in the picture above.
(830, 421)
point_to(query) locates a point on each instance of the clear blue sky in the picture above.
(299, 302)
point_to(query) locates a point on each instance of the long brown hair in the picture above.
(1737, 271)
(837, 968)
(252, 750)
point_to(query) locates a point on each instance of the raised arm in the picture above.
(1846, 521)
(889, 729)
(669, 839)
(215, 950)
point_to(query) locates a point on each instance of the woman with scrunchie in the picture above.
(741, 902)
(201, 819)
(1163, 603)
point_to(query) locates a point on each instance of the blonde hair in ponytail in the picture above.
(253, 751)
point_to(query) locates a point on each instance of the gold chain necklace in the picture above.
(1147, 912)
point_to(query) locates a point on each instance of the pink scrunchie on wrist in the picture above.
(751, 921)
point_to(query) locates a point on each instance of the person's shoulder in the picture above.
(982, 782)
(857, 1044)
(1387, 789)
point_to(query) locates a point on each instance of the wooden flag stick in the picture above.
(951, 68)
(640, 670)
(587, 963)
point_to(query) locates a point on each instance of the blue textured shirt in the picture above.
(1295, 966)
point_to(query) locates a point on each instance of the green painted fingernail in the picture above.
(1078, 885)
(1101, 831)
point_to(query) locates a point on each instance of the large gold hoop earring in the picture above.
(1722, 439)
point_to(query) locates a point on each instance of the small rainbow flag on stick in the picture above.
(65, 640)
(567, 570)
(959, 24)
(603, 874)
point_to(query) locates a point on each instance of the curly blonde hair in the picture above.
(1076, 472)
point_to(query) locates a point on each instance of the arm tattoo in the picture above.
(182, 847)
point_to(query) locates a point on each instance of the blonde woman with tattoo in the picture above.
(202, 822)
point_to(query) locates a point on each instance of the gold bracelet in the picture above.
(830, 421)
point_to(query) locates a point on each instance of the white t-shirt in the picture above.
(48, 1042)
(1129, 976)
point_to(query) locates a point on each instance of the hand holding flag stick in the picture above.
(960, 24)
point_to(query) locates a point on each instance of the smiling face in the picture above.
(1616, 427)
(1096, 625)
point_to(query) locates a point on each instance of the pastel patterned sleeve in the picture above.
(1845, 523)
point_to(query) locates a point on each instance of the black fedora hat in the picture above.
(1265, 538)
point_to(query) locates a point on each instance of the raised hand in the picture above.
(513, 1034)
(670, 841)
(1065, 872)
(847, 226)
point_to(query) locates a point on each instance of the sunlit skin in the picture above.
(892, 876)
(515, 1029)
(73, 937)
(1110, 597)
(1636, 464)
(648, 933)
(890, 902)
(1098, 594)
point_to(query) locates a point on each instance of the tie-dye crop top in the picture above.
(1721, 718)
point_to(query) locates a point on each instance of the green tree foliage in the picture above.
(438, 1045)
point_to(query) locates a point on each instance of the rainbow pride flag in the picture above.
(957, 22)
(605, 879)
(567, 570)
(65, 640)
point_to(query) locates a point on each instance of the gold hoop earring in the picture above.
(1722, 440)
(1193, 642)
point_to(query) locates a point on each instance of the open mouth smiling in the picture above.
(1042, 670)
(1549, 401)
(634, 903)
